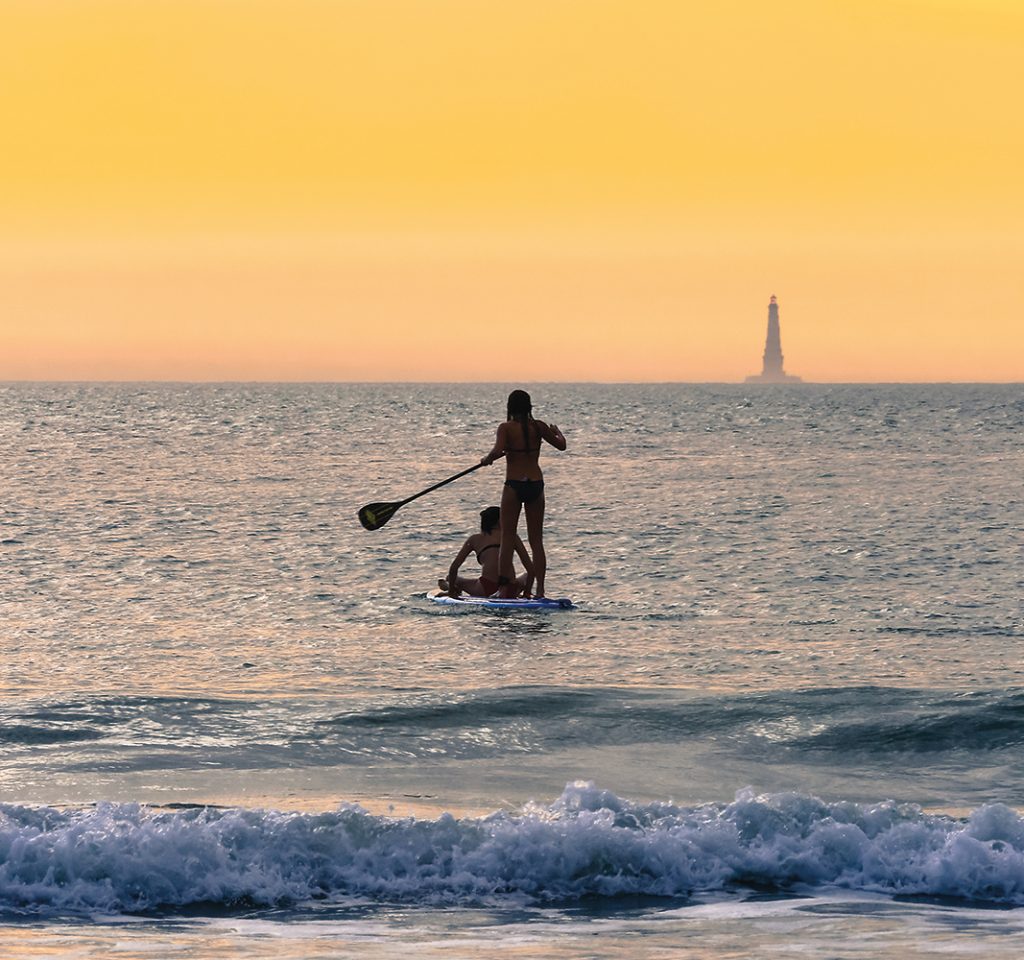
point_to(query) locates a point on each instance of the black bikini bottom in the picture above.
(526, 490)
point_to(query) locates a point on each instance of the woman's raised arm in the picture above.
(552, 434)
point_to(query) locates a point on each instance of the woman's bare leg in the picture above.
(465, 584)
(510, 507)
(535, 533)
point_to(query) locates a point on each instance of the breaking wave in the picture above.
(588, 843)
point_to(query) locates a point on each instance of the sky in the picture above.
(482, 190)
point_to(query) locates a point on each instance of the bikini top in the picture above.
(483, 550)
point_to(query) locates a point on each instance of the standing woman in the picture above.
(519, 440)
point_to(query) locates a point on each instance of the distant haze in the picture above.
(550, 190)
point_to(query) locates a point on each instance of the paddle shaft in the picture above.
(374, 515)
(436, 485)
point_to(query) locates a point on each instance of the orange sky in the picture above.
(391, 189)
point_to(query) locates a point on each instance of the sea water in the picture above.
(786, 719)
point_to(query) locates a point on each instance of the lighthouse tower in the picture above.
(772, 371)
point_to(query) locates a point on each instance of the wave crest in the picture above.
(589, 842)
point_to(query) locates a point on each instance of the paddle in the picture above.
(374, 515)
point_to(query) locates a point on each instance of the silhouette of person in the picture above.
(486, 545)
(519, 441)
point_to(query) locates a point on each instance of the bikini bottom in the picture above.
(526, 490)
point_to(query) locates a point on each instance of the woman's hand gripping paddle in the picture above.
(374, 515)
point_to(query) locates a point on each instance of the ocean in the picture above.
(786, 718)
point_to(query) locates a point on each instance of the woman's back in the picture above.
(522, 452)
(486, 546)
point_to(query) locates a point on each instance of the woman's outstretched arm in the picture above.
(499, 447)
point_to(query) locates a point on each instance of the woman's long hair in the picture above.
(519, 407)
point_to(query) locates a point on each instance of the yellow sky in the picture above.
(391, 189)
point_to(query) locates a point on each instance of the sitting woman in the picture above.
(486, 545)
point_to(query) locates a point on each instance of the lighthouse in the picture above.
(772, 370)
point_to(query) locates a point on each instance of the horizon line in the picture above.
(314, 382)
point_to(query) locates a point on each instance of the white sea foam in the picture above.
(589, 842)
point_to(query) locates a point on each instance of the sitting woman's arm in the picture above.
(453, 570)
(527, 562)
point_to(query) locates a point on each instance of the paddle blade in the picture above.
(374, 515)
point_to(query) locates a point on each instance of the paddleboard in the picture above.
(492, 603)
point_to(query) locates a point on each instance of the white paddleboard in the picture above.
(493, 603)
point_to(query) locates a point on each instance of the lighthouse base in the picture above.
(773, 378)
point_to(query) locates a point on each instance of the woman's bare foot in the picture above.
(442, 584)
